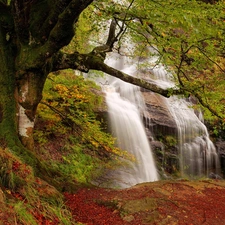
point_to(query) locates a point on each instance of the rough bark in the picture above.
(29, 51)
(7, 79)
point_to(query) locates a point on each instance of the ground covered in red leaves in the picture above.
(163, 202)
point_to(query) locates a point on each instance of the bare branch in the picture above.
(112, 36)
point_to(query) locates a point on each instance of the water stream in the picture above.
(124, 106)
(197, 153)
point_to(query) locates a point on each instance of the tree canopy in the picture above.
(189, 39)
(188, 36)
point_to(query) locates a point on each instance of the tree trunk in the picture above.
(28, 94)
(21, 93)
(8, 125)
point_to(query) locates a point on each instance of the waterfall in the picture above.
(125, 104)
(197, 153)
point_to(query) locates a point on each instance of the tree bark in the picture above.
(35, 46)
(28, 95)
(8, 125)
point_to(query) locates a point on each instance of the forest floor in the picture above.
(165, 202)
(162, 202)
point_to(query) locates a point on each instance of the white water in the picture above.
(124, 105)
(197, 154)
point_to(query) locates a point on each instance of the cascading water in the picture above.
(197, 154)
(124, 105)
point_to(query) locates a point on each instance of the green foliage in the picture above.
(68, 110)
(86, 29)
(188, 37)
(79, 166)
(23, 216)
(13, 173)
(170, 141)
(28, 197)
(30, 213)
(217, 128)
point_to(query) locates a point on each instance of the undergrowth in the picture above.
(68, 134)
(25, 198)
(71, 144)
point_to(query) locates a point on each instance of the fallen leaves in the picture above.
(189, 203)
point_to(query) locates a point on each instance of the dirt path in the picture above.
(163, 202)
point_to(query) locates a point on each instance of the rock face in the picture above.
(162, 132)
(157, 117)
(220, 146)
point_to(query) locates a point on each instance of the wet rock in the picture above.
(157, 145)
(215, 176)
(220, 146)
(157, 117)
(161, 130)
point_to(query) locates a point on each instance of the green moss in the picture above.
(171, 141)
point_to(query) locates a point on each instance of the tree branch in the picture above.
(21, 12)
(86, 62)
(50, 16)
(112, 38)
(206, 105)
(63, 31)
(112, 34)
(214, 62)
